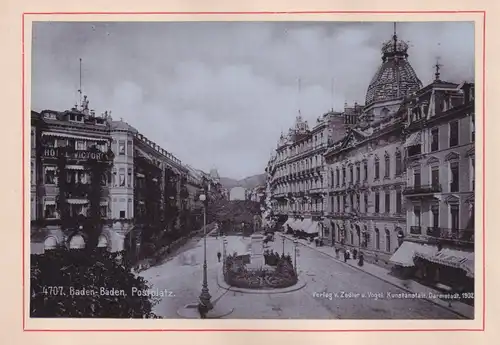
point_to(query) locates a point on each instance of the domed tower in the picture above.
(394, 79)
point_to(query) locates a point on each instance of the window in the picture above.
(387, 166)
(81, 145)
(387, 241)
(417, 215)
(129, 148)
(366, 202)
(453, 133)
(387, 202)
(338, 203)
(343, 176)
(104, 211)
(351, 199)
(122, 214)
(358, 173)
(33, 143)
(365, 168)
(399, 164)
(32, 173)
(344, 202)
(357, 202)
(377, 169)
(338, 177)
(352, 238)
(121, 147)
(435, 176)
(454, 209)
(454, 177)
(399, 203)
(129, 180)
(434, 139)
(435, 215)
(351, 172)
(50, 211)
(377, 202)
(122, 177)
(473, 173)
(104, 179)
(416, 178)
(377, 239)
(50, 175)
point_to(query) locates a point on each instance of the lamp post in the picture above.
(295, 242)
(283, 239)
(205, 295)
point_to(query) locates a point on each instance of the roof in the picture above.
(395, 78)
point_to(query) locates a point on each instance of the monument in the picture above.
(257, 251)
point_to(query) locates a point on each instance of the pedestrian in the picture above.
(345, 255)
(361, 259)
(219, 255)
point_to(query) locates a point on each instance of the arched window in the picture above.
(50, 243)
(399, 163)
(387, 241)
(377, 168)
(387, 165)
(77, 242)
(103, 242)
(384, 112)
(377, 239)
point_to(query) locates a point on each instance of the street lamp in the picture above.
(283, 239)
(295, 242)
(205, 295)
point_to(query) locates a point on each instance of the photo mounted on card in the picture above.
(318, 170)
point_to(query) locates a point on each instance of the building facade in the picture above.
(141, 185)
(396, 177)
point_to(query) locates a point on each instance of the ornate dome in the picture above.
(396, 77)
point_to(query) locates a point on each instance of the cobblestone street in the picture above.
(333, 290)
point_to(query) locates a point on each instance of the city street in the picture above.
(333, 290)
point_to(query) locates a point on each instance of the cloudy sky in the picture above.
(219, 94)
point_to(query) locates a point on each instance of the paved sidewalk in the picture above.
(408, 285)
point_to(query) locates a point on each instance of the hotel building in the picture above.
(143, 185)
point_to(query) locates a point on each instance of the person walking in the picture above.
(219, 255)
(345, 255)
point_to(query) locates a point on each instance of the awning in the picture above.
(50, 168)
(49, 202)
(405, 253)
(78, 201)
(70, 136)
(144, 154)
(413, 139)
(305, 224)
(313, 228)
(288, 222)
(139, 175)
(452, 258)
(103, 203)
(75, 167)
(295, 224)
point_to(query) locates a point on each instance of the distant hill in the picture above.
(247, 183)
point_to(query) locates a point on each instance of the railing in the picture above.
(459, 235)
(415, 230)
(423, 189)
(78, 190)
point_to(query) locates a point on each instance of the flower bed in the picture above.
(236, 274)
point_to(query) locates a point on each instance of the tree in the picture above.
(57, 276)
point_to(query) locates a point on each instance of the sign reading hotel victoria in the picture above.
(53, 152)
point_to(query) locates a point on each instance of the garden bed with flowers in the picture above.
(279, 273)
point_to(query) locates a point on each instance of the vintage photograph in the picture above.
(252, 170)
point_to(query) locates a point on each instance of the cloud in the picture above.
(218, 94)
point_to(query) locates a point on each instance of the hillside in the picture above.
(247, 183)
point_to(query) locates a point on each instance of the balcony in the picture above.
(422, 190)
(451, 235)
(415, 230)
(77, 190)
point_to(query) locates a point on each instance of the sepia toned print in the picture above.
(252, 170)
